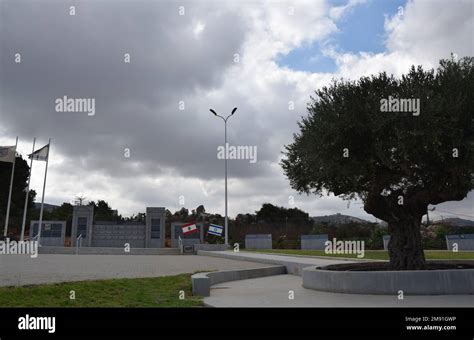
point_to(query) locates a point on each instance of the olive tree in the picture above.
(398, 145)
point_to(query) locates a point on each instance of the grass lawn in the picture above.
(372, 254)
(146, 292)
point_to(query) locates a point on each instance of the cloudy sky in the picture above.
(266, 58)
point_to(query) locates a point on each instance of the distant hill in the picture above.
(455, 221)
(338, 219)
(47, 207)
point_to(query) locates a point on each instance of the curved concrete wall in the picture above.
(423, 282)
(202, 282)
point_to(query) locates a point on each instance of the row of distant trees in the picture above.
(268, 219)
(20, 182)
(285, 224)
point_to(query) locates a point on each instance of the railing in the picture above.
(78, 243)
(36, 238)
(180, 242)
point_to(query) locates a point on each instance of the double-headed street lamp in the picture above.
(225, 148)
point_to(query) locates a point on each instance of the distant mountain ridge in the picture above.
(456, 221)
(338, 219)
(46, 207)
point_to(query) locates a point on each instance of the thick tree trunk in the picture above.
(405, 249)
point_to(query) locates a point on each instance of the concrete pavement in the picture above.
(294, 264)
(270, 291)
(17, 270)
(273, 291)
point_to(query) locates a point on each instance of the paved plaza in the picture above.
(273, 291)
(17, 270)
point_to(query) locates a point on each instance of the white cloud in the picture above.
(198, 29)
(424, 33)
(338, 12)
(430, 30)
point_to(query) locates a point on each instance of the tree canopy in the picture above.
(396, 162)
(20, 182)
(270, 213)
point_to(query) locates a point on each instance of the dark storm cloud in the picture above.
(81, 56)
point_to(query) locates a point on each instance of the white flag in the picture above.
(40, 154)
(7, 153)
(215, 229)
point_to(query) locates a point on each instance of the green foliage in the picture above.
(441, 231)
(182, 214)
(351, 230)
(269, 213)
(371, 233)
(103, 212)
(434, 236)
(375, 240)
(20, 183)
(392, 153)
(62, 213)
(143, 292)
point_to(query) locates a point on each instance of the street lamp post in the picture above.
(428, 216)
(226, 228)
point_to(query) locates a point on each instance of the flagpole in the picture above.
(5, 231)
(27, 195)
(44, 188)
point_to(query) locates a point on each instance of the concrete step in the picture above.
(202, 282)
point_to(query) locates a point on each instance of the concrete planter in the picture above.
(423, 282)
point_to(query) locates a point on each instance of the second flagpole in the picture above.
(42, 197)
(27, 195)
